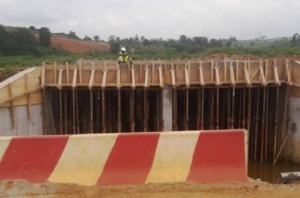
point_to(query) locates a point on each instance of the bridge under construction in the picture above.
(99, 96)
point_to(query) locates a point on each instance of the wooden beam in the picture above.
(161, 84)
(11, 98)
(201, 73)
(233, 83)
(74, 82)
(91, 83)
(217, 75)
(12, 108)
(225, 69)
(276, 76)
(212, 70)
(173, 80)
(55, 73)
(247, 76)
(67, 69)
(132, 76)
(288, 72)
(146, 76)
(28, 97)
(264, 82)
(104, 76)
(59, 85)
(43, 76)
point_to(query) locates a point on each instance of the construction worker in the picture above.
(123, 57)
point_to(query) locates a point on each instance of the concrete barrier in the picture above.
(119, 159)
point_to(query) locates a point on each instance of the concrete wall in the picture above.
(23, 125)
(292, 148)
(167, 108)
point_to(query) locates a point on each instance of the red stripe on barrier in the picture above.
(32, 158)
(219, 156)
(130, 160)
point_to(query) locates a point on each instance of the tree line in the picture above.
(24, 41)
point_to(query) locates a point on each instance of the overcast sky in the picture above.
(243, 19)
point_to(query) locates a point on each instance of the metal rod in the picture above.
(217, 109)
(74, 111)
(161, 106)
(119, 111)
(198, 113)
(232, 107)
(256, 123)
(131, 111)
(276, 124)
(77, 112)
(267, 125)
(60, 113)
(211, 120)
(103, 110)
(186, 113)
(262, 146)
(145, 110)
(202, 109)
(91, 112)
(174, 109)
(65, 112)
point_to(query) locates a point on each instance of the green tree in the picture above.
(96, 38)
(86, 38)
(45, 37)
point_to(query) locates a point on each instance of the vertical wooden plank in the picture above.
(12, 108)
(27, 97)
(67, 69)
(55, 73)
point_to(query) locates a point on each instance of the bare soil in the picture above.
(257, 189)
(79, 47)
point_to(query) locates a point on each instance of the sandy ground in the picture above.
(75, 46)
(257, 189)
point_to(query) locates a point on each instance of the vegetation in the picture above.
(31, 46)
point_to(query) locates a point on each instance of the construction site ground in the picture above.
(254, 188)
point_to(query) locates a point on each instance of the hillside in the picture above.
(76, 46)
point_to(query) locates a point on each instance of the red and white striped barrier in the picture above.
(119, 159)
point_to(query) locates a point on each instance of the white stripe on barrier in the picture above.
(3, 145)
(83, 159)
(173, 157)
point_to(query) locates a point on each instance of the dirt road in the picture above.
(257, 189)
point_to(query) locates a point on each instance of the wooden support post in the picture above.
(91, 83)
(161, 84)
(212, 71)
(276, 76)
(201, 78)
(237, 70)
(104, 76)
(67, 70)
(233, 83)
(59, 85)
(28, 97)
(43, 76)
(225, 69)
(187, 76)
(80, 72)
(217, 75)
(118, 78)
(146, 83)
(247, 77)
(264, 82)
(288, 72)
(74, 77)
(55, 73)
(173, 80)
(132, 77)
(12, 108)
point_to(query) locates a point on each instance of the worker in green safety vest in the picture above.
(123, 57)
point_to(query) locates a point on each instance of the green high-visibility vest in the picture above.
(124, 58)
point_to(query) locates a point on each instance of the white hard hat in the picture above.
(123, 49)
